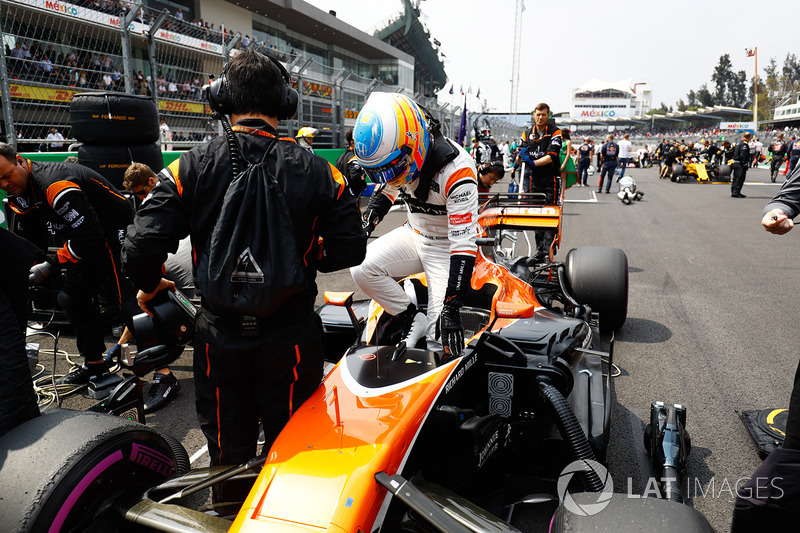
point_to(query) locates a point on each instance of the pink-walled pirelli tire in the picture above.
(598, 277)
(113, 118)
(64, 470)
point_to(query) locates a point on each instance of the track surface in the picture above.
(711, 324)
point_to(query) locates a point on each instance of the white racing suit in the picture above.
(444, 225)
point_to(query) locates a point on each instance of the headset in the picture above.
(219, 97)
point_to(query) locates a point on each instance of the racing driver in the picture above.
(399, 145)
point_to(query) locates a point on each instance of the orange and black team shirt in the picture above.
(544, 143)
(77, 204)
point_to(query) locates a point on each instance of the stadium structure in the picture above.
(169, 49)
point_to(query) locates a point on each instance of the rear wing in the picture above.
(519, 211)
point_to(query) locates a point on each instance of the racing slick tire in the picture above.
(112, 161)
(724, 171)
(678, 170)
(133, 118)
(598, 277)
(65, 470)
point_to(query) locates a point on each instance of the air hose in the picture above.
(572, 433)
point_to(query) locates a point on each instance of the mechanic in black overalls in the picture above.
(741, 160)
(91, 215)
(794, 155)
(608, 154)
(585, 153)
(711, 151)
(544, 176)
(778, 150)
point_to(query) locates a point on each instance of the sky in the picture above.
(672, 46)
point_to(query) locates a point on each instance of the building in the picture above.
(597, 99)
(55, 49)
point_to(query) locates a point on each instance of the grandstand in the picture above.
(169, 49)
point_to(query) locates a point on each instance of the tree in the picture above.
(681, 105)
(723, 72)
(737, 90)
(691, 99)
(791, 72)
(704, 97)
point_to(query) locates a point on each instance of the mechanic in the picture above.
(90, 215)
(624, 155)
(608, 155)
(794, 155)
(248, 368)
(140, 180)
(351, 169)
(436, 179)
(777, 150)
(585, 154)
(741, 160)
(711, 152)
(305, 137)
(489, 174)
(542, 172)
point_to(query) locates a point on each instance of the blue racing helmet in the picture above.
(391, 138)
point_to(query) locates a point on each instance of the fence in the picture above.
(52, 50)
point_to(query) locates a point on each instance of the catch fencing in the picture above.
(52, 50)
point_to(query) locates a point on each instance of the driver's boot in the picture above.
(416, 332)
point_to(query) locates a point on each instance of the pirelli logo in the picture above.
(149, 458)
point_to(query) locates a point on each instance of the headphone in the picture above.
(219, 97)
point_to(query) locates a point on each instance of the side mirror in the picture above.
(342, 299)
(345, 299)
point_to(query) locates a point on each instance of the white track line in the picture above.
(199, 453)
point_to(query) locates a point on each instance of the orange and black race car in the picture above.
(396, 438)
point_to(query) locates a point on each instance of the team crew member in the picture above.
(585, 154)
(741, 160)
(608, 155)
(399, 143)
(711, 151)
(248, 368)
(90, 215)
(778, 151)
(305, 138)
(488, 175)
(351, 169)
(543, 174)
(794, 155)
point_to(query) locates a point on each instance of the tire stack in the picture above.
(116, 130)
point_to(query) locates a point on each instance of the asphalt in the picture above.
(712, 325)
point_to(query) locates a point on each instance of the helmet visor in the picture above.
(393, 170)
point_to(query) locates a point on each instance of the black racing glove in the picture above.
(451, 330)
(379, 205)
(41, 271)
(449, 326)
(369, 221)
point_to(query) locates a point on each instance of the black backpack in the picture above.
(252, 265)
